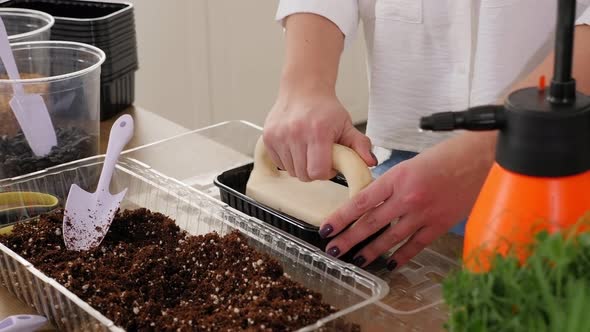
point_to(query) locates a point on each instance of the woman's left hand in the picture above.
(428, 194)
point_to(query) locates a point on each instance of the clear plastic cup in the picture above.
(26, 24)
(67, 76)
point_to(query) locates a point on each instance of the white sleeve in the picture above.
(585, 18)
(584, 9)
(343, 13)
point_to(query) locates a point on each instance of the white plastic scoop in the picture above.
(88, 216)
(29, 109)
(22, 323)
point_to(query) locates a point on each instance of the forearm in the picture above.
(312, 54)
(485, 142)
(581, 64)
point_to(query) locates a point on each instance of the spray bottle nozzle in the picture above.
(563, 86)
(486, 117)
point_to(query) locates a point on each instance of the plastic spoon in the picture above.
(88, 216)
(22, 323)
(29, 109)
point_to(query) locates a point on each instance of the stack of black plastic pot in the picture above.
(106, 25)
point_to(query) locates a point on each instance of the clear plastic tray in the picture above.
(342, 285)
(415, 301)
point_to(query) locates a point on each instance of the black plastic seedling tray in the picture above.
(107, 78)
(115, 52)
(102, 35)
(117, 94)
(232, 188)
(84, 13)
(124, 23)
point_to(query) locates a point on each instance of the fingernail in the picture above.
(391, 265)
(326, 230)
(374, 158)
(359, 261)
(334, 251)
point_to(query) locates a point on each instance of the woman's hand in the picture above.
(307, 117)
(301, 129)
(428, 194)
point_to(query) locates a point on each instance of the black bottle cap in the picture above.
(540, 138)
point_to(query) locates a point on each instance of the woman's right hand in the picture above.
(307, 117)
(301, 129)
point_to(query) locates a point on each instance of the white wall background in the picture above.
(207, 61)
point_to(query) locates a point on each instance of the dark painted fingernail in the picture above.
(359, 261)
(391, 265)
(326, 230)
(334, 251)
(374, 158)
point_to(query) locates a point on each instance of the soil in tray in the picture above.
(149, 275)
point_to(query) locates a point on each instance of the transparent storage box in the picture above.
(343, 286)
(414, 302)
(194, 159)
(66, 75)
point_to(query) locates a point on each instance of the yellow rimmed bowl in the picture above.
(20, 206)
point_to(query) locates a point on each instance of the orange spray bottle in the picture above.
(541, 176)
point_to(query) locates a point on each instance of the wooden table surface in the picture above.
(149, 128)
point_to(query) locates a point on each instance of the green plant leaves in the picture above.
(550, 292)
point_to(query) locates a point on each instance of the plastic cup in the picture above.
(67, 76)
(26, 24)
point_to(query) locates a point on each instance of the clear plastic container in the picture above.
(414, 302)
(342, 285)
(106, 24)
(26, 24)
(67, 76)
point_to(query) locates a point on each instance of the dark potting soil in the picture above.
(149, 275)
(16, 157)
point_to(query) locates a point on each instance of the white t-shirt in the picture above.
(427, 56)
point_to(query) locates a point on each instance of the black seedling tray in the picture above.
(127, 43)
(102, 24)
(125, 23)
(102, 36)
(117, 94)
(75, 12)
(108, 78)
(114, 70)
(232, 188)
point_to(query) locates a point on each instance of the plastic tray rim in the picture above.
(176, 188)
